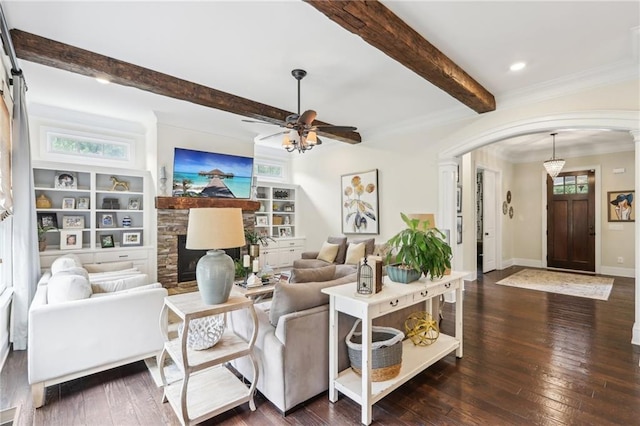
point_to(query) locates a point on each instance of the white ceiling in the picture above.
(248, 48)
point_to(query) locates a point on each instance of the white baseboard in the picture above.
(530, 263)
(618, 272)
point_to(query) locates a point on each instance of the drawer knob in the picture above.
(447, 285)
(392, 303)
(123, 255)
(424, 293)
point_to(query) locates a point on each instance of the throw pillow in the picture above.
(369, 243)
(342, 250)
(328, 252)
(119, 284)
(355, 252)
(308, 275)
(65, 286)
(65, 262)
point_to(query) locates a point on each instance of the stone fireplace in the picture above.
(173, 215)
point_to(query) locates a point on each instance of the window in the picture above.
(270, 171)
(85, 146)
(571, 185)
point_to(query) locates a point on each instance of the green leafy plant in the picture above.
(254, 238)
(240, 270)
(421, 248)
(42, 231)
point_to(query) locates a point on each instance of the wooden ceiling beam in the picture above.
(34, 48)
(381, 28)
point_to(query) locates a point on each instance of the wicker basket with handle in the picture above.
(386, 352)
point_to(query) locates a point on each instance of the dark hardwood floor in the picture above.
(529, 358)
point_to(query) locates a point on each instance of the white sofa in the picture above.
(75, 338)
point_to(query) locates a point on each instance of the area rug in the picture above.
(561, 282)
(171, 371)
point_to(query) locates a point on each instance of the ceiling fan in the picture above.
(300, 133)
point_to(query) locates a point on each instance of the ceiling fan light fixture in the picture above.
(555, 165)
(312, 138)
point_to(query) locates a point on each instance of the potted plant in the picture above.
(418, 249)
(42, 236)
(254, 240)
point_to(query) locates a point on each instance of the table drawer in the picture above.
(398, 302)
(116, 256)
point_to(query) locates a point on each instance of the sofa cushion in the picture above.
(65, 262)
(129, 290)
(369, 244)
(108, 267)
(288, 298)
(355, 252)
(328, 252)
(307, 275)
(118, 284)
(66, 285)
(342, 250)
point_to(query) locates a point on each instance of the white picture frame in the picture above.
(83, 203)
(72, 222)
(133, 204)
(131, 238)
(262, 221)
(68, 203)
(70, 239)
(65, 180)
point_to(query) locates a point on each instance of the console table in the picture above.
(393, 297)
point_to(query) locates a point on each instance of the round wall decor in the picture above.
(511, 212)
(509, 197)
(504, 207)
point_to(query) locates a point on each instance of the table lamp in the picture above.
(214, 229)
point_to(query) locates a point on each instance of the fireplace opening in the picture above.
(188, 259)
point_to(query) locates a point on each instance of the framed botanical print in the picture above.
(360, 203)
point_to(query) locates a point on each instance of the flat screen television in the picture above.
(209, 174)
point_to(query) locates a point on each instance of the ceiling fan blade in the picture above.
(307, 117)
(257, 122)
(275, 134)
(335, 128)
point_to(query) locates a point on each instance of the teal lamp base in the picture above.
(214, 274)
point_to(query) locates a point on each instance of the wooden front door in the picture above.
(571, 215)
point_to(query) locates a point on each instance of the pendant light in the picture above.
(555, 165)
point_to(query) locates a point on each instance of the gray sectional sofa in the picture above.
(292, 347)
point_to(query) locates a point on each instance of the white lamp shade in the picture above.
(215, 228)
(312, 138)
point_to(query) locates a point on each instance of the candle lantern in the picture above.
(366, 285)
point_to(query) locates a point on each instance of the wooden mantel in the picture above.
(183, 203)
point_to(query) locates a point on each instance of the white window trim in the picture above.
(48, 133)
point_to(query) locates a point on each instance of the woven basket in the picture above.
(386, 352)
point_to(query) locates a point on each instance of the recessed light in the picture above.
(517, 66)
(102, 80)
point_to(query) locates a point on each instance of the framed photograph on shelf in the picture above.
(48, 219)
(66, 180)
(285, 231)
(359, 193)
(459, 229)
(134, 203)
(459, 199)
(72, 222)
(620, 206)
(68, 203)
(107, 220)
(262, 221)
(106, 241)
(70, 240)
(83, 203)
(131, 238)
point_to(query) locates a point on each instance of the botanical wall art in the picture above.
(360, 203)
(620, 206)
